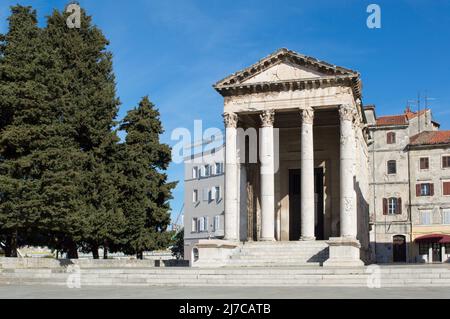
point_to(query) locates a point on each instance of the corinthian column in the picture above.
(231, 187)
(307, 175)
(267, 177)
(347, 201)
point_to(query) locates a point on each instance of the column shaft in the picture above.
(307, 176)
(347, 161)
(231, 180)
(267, 177)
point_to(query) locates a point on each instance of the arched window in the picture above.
(390, 138)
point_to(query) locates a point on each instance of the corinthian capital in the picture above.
(347, 113)
(230, 119)
(307, 115)
(267, 118)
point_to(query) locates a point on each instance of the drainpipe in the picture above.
(410, 205)
(374, 192)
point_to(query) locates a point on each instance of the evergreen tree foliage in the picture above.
(145, 189)
(66, 181)
(22, 120)
(177, 247)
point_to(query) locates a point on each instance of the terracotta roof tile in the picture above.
(392, 120)
(431, 138)
(401, 119)
(410, 115)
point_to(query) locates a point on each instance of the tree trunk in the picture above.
(14, 244)
(73, 250)
(11, 245)
(95, 251)
(8, 246)
(105, 250)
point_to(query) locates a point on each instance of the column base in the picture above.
(267, 239)
(214, 253)
(344, 252)
(307, 238)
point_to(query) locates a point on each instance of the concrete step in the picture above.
(271, 275)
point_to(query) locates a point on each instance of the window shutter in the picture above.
(385, 206)
(418, 190)
(213, 193)
(206, 223)
(431, 189)
(446, 188)
(216, 223)
(399, 206)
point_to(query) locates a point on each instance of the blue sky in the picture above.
(175, 50)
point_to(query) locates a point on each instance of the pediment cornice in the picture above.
(236, 84)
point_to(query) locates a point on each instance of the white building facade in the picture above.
(204, 199)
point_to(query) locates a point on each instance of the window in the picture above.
(218, 168)
(392, 206)
(446, 217)
(218, 195)
(425, 217)
(206, 195)
(203, 224)
(195, 172)
(217, 223)
(194, 226)
(390, 138)
(446, 162)
(423, 248)
(425, 189)
(424, 163)
(195, 196)
(446, 188)
(212, 194)
(392, 167)
(207, 170)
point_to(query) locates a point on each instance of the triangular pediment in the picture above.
(285, 71)
(284, 65)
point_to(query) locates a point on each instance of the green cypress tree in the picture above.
(88, 105)
(21, 96)
(145, 190)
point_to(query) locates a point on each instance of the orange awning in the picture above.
(434, 238)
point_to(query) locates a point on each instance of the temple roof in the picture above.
(288, 70)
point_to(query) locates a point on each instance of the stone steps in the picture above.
(421, 276)
(273, 254)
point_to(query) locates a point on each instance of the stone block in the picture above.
(343, 252)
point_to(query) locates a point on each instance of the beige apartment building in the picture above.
(410, 187)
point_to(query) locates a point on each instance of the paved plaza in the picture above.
(61, 292)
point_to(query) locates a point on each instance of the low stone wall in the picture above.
(30, 263)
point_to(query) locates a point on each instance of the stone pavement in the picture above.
(61, 292)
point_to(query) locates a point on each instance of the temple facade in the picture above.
(313, 177)
(296, 159)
